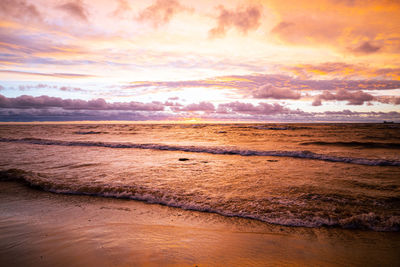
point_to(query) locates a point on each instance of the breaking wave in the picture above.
(211, 150)
(304, 210)
(356, 144)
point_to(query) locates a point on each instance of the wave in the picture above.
(356, 144)
(88, 132)
(307, 210)
(269, 127)
(304, 154)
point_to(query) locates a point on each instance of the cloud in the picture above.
(251, 84)
(306, 29)
(19, 9)
(20, 45)
(45, 108)
(71, 89)
(248, 108)
(171, 104)
(270, 91)
(343, 71)
(55, 114)
(123, 6)
(366, 48)
(353, 98)
(58, 75)
(75, 9)
(243, 19)
(366, 26)
(394, 100)
(202, 106)
(42, 102)
(42, 86)
(317, 102)
(161, 12)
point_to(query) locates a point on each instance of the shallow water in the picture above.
(38, 228)
(342, 175)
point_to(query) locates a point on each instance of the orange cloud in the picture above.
(356, 27)
(341, 70)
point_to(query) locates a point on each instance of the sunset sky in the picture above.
(266, 60)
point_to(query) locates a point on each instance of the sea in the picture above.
(298, 175)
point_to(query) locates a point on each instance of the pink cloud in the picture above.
(270, 91)
(58, 75)
(41, 102)
(394, 100)
(19, 9)
(161, 12)
(202, 106)
(243, 19)
(317, 102)
(248, 84)
(123, 6)
(353, 98)
(248, 108)
(75, 9)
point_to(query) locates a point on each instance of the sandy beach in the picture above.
(45, 229)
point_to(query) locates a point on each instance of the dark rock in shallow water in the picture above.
(272, 160)
(183, 159)
(90, 132)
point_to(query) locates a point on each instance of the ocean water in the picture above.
(310, 175)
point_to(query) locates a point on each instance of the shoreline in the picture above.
(48, 229)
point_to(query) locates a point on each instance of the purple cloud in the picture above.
(394, 100)
(45, 108)
(202, 106)
(247, 84)
(317, 102)
(42, 102)
(248, 108)
(353, 98)
(58, 75)
(71, 89)
(270, 91)
(366, 48)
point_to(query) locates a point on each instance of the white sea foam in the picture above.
(285, 211)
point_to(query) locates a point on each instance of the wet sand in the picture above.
(45, 229)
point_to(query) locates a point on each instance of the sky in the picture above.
(203, 60)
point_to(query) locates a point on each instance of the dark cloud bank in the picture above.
(45, 108)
